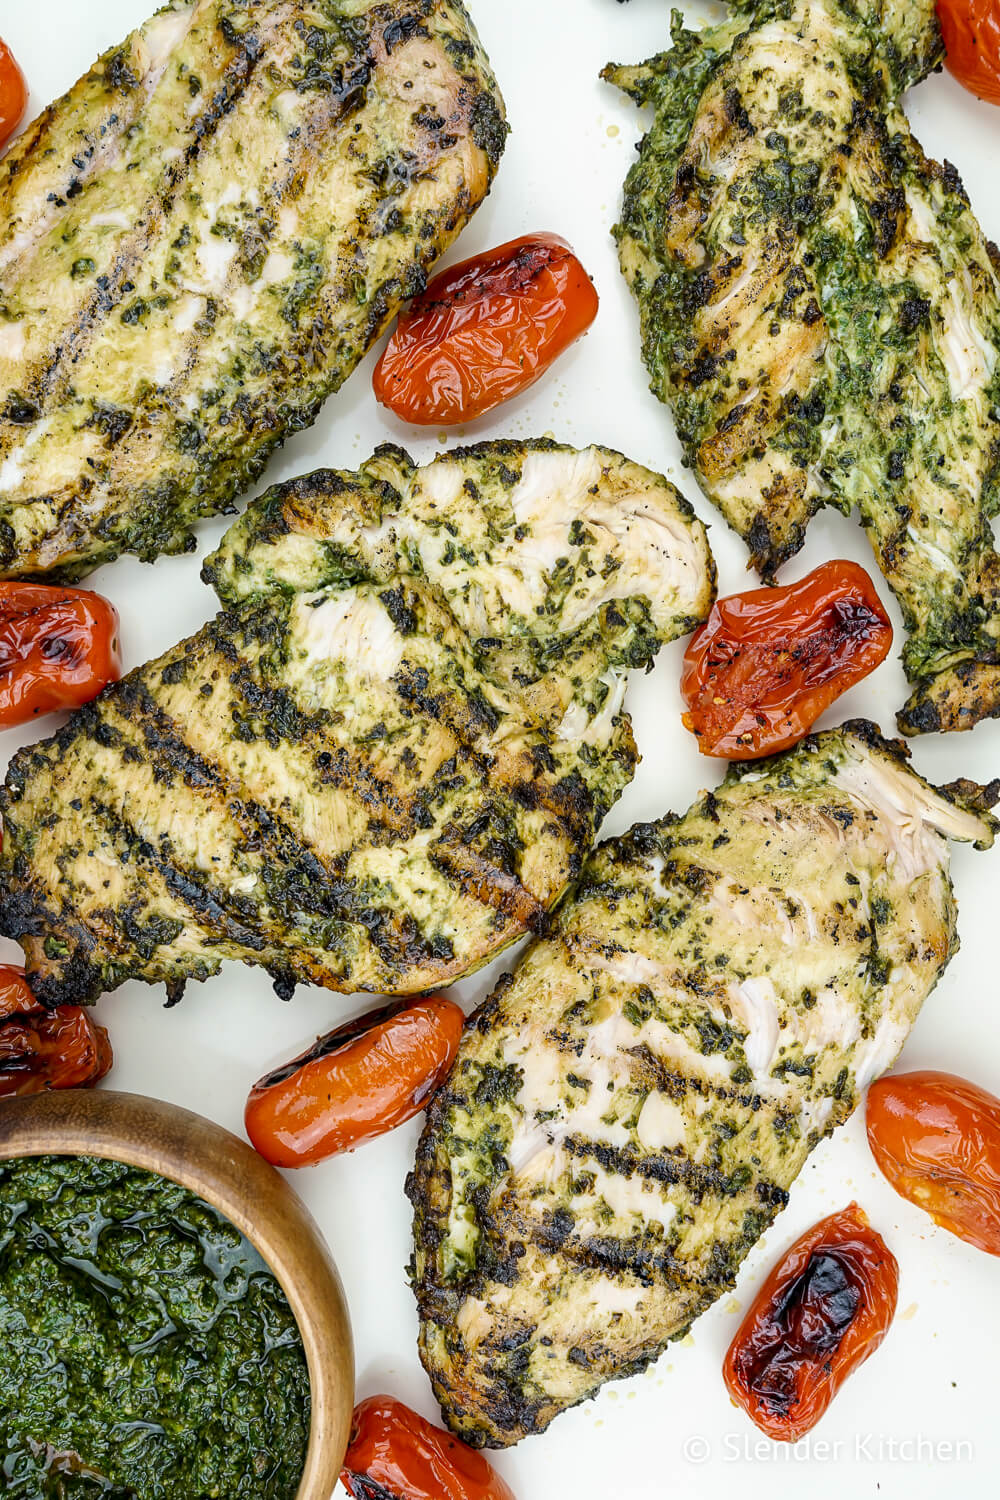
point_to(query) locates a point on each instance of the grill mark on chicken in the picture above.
(49, 383)
(348, 772)
(336, 778)
(821, 310)
(266, 834)
(218, 911)
(335, 766)
(629, 1109)
(179, 295)
(228, 918)
(315, 888)
(700, 1182)
(487, 883)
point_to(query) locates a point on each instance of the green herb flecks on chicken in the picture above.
(627, 1112)
(385, 758)
(199, 243)
(822, 312)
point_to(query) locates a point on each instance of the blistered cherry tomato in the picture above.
(937, 1140)
(358, 1082)
(46, 1049)
(395, 1454)
(484, 331)
(971, 31)
(766, 663)
(13, 94)
(821, 1312)
(58, 649)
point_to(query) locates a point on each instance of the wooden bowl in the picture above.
(227, 1173)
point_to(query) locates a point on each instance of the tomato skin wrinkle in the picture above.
(58, 649)
(13, 94)
(768, 662)
(971, 32)
(823, 1309)
(484, 331)
(46, 1049)
(936, 1139)
(395, 1454)
(355, 1084)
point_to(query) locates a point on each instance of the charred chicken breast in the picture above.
(629, 1109)
(821, 310)
(200, 241)
(386, 757)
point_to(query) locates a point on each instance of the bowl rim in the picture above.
(209, 1160)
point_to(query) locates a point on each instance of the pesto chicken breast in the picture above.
(629, 1109)
(821, 310)
(199, 242)
(386, 757)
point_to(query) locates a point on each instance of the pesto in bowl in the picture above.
(146, 1350)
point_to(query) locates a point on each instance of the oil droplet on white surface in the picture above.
(908, 1312)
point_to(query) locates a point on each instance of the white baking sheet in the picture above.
(920, 1418)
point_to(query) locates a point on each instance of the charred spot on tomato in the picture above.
(853, 617)
(58, 648)
(823, 1309)
(333, 1042)
(807, 1324)
(363, 1488)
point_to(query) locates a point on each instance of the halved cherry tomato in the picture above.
(484, 331)
(358, 1082)
(46, 1049)
(971, 31)
(13, 94)
(937, 1140)
(395, 1454)
(825, 1307)
(766, 663)
(58, 649)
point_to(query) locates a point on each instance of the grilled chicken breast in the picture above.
(387, 755)
(822, 312)
(201, 240)
(628, 1111)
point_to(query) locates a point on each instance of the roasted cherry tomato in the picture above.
(937, 1139)
(13, 94)
(46, 1049)
(58, 649)
(823, 1310)
(765, 665)
(358, 1082)
(394, 1454)
(484, 331)
(971, 31)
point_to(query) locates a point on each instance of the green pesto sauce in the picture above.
(145, 1349)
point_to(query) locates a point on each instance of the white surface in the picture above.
(920, 1418)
